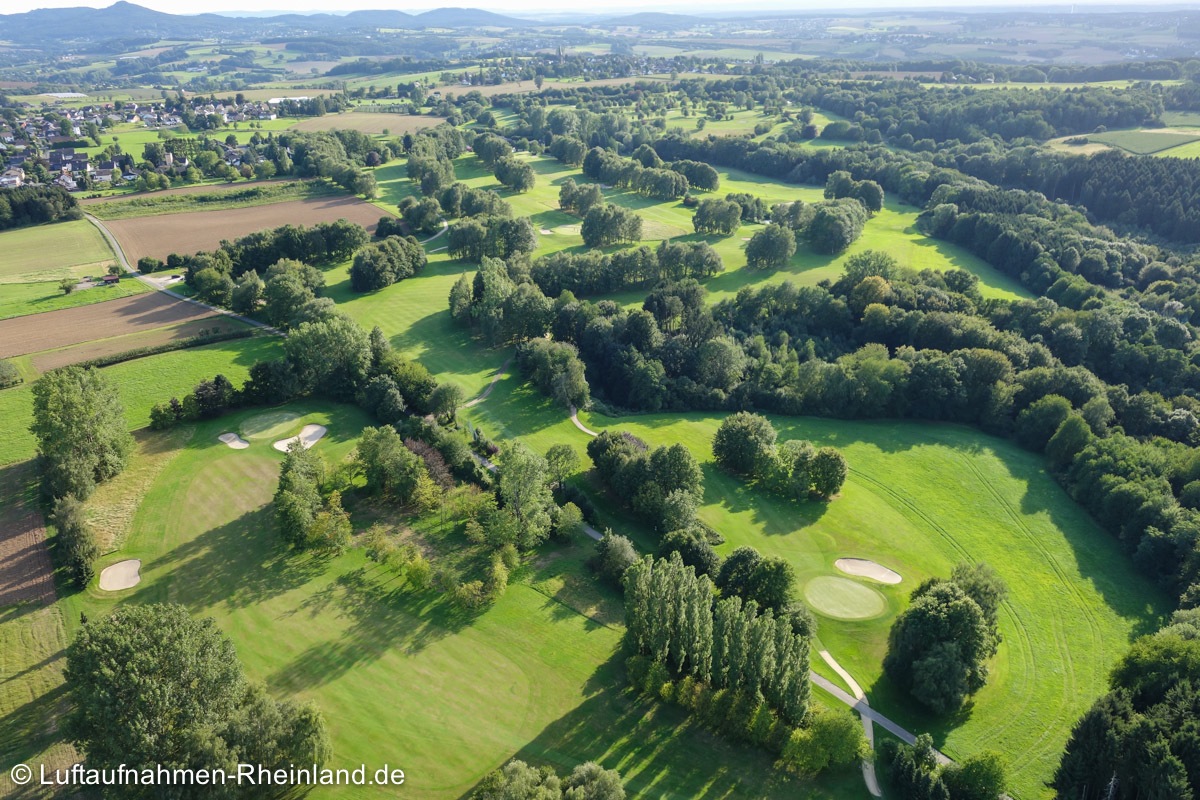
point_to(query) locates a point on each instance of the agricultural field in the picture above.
(52, 252)
(115, 318)
(159, 236)
(1145, 142)
(207, 197)
(33, 261)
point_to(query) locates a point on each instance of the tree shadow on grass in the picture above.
(379, 615)
(30, 728)
(657, 749)
(236, 565)
(738, 496)
(518, 410)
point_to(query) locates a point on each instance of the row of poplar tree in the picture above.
(671, 618)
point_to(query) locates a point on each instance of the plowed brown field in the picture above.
(203, 230)
(69, 326)
(26, 572)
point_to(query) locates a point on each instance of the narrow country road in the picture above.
(158, 287)
(161, 287)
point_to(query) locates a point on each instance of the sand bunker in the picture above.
(842, 598)
(309, 435)
(122, 575)
(546, 231)
(862, 568)
(234, 441)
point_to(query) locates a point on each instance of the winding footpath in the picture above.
(500, 373)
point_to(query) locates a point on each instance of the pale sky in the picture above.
(531, 6)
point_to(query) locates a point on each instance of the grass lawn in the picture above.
(920, 498)
(20, 299)
(1144, 142)
(402, 678)
(1189, 150)
(143, 383)
(52, 252)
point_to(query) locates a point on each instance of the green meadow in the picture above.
(20, 299)
(52, 252)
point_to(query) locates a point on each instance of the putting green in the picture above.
(842, 598)
(271, 425)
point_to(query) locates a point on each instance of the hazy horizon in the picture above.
(527, 7)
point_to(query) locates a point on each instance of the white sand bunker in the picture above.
(309, 435)
(546, 231)
(862, 568)
(122, 575)
(234, 441)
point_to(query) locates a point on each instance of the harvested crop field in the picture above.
(199, 188)
(53, 329)
(369, 122)
(52, 252)
(86, 351)
(26, 572)
(203, 230)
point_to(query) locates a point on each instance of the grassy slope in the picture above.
(52, 252)
(143, 383)
(390, 666)
(922, 497)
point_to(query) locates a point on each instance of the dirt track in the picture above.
(203, 230)
(142, 312)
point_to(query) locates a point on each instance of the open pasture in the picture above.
(56, 329)
(52, 252)
(159, 236)
(22, 299)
